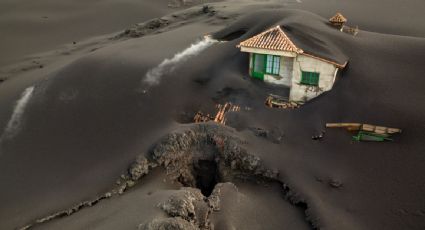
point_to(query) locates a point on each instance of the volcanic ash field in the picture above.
(100, 134)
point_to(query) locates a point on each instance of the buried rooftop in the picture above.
(293, 59)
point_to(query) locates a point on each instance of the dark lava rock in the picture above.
(335, 183)
(189, 204)
(172, 223)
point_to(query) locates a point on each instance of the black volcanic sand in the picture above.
(89, 119)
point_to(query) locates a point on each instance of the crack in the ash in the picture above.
(183, 153)
(204, 156)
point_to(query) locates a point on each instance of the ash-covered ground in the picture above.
(99, 134)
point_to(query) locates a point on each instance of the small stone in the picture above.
(130, 183)
(335, 184)
(184, 204)
(139, 168)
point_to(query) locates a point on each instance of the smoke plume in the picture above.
(153, 76)
(14, 123)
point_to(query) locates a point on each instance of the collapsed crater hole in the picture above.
(206, 172)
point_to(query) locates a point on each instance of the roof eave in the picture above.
(299, 51)
(338, 65)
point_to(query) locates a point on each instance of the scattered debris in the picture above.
(223, 109)
(318, 137)
(276, 101)
(200, 117)
(350, 30)
(367, 132)
(220, 117)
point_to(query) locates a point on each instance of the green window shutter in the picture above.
(305, 78)
(309, 78)
(315, 79)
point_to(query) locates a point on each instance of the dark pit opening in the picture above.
(206, 172)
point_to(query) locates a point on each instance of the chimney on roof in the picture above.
(338, 20)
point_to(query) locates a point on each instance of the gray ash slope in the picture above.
(89, 120)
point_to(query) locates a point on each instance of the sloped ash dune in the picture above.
(91, 115)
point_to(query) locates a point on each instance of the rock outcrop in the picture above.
(172, 223)
(190, 205)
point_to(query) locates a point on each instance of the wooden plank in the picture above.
(353, 126)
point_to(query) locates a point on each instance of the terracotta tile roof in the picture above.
(272, 39)
(338, 18)
(276, 39)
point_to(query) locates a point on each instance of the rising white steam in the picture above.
(14, 123)
(153, 76)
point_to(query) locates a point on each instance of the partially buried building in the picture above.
(277, 59)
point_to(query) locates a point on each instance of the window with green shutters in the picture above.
(309, 78)
(272, 64)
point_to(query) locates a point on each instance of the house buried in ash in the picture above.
(277, 59)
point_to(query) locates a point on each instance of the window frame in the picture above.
(272, 64)
(310, 78)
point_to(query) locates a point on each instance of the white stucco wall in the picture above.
(327, 71)
(285, 73)
(299, 92)
(250, 63)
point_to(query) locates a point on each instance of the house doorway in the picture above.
(258, 66)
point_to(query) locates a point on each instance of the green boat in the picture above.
(370, 136)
